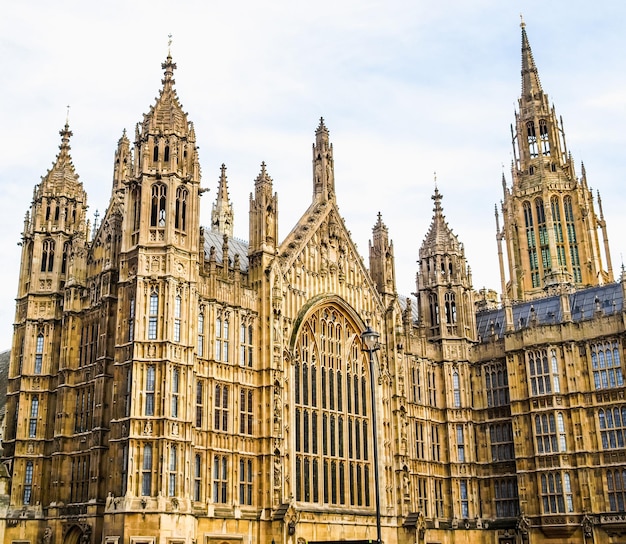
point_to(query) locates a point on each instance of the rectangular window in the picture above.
(197, 478)
(606, 363)
(175, 391)
(199, 404)
(419, 440)
(245, 345)
(84, 409)
(552, 493)
(220, 478)
(464, 499)
(497, 385)
(79, 484)
(422, 496)
(545, 433)
(540, 372)
(439, 504)
(28, 483)
(616, 488)
(434, 441)
(201, 335)
(221, 340)
(221, 408)
(501, 439)
(39, 354)
(150, 383)
(146, 471)
(506, 499)
(171, 488)
(153, 314)
(34, 416)
(131, 319)
(177, 313)
(460, 444)
(245, 481)
(245, 411)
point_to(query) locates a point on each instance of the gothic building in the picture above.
(171, 384)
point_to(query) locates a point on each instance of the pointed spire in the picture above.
(531, 85)
(222, 214)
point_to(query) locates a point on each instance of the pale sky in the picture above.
(406, 88)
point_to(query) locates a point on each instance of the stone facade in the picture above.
(172, 384)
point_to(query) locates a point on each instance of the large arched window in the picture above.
(157, 210)
(47, 255)
(572, 239)
(532, 243)
(180, 219)
(332, 408)
(544, 137)
(532, 139)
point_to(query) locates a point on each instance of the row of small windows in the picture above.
(219, 481)
(158, 207)
(543, 137)
(57, 212)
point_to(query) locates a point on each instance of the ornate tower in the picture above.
(444, 282)
(222, 214)
(157, 315)
(53, 249)
(550, 225)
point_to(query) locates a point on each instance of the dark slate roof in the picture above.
(235, 246)
(583, 304)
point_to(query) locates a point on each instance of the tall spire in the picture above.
(222, 214)
(531, 85)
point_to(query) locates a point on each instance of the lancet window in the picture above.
(332, 407)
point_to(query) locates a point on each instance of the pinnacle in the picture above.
(321, 127)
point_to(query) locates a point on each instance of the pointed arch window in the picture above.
(532, 243)
(450, 304)
(532, 139)
(155, 153)
(180, 219)
(572, 239)
(47, 255)
(158, 205)
(544, 137)
(166, 154)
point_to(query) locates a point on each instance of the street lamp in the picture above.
(370, 338)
